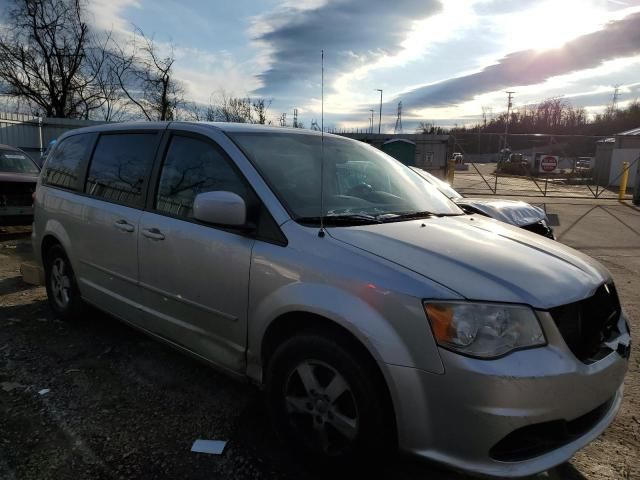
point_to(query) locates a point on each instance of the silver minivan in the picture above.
(373, 310)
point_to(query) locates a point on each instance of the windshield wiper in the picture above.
(341, 220)
(394, 217)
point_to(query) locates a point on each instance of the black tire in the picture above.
(62, 290)
(365, 400)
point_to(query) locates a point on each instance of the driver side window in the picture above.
(192, 166)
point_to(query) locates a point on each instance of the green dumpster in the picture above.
(401, 149)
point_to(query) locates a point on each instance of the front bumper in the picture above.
(541, 228)
(16, 215)
(458, 417)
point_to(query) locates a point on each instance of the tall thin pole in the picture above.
(380, 117)
(506, 123)
(322, 93)
(321, 232)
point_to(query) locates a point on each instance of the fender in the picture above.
(55, 229)
(367, 324)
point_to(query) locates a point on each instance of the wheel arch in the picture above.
(297, 322)
(54, 233)
(48, 241)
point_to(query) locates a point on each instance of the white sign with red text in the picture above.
(549, 163)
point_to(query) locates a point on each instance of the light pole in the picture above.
(380, 117)
(371, 120)
(506, 124)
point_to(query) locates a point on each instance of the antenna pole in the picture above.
(380, 117)
(321, 232)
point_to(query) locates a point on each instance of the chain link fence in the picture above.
(541, 165)
(33, 134)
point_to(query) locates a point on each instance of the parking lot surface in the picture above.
(96, 399)
(481, 179)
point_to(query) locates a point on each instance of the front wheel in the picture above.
(326, 401)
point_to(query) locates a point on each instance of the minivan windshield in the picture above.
(16, 162)
(361, 184)
(444, 187)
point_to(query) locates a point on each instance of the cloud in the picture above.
(497, 7)
(617, 39)
(351, 32)
(627, 93)
(205, 73)
(109, 14)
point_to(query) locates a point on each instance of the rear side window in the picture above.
(193, 166)
(120, 166)
(65, 167)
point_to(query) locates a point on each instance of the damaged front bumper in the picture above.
(510, 417)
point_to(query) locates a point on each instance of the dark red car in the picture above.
(18, 177)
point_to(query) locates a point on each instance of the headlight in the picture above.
(484, 330)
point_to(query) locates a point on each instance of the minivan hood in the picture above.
(482, 259)
(514, 212)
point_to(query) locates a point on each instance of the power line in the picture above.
(616, 96)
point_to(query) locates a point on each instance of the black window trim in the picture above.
(158, 133)
(154, 183)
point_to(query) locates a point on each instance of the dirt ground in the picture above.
(122, 406)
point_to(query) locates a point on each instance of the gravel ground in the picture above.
(123, 406)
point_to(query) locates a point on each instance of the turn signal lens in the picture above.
(484, 330)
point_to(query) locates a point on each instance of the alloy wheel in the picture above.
(322, 407)
(60, 282)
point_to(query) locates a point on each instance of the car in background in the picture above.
(18, 177)
(514, 212)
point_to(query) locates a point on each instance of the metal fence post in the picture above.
(636, 190)
(451, 164)
(40, 135)
(546, 182)
(623, 181)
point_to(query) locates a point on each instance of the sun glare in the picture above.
(550, 24)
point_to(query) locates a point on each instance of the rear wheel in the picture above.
(62, 289)
(326, 401)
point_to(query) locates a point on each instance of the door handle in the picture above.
(153, 233)
(124, 226)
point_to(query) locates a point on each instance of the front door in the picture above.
(194, 277)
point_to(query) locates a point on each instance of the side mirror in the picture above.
(220, 208)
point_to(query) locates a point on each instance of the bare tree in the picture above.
(43, 55)
(429, 128)
(101, 95)
(260, 109)
(53, 64)
(147, 79)
(227, 108)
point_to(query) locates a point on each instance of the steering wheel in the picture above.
(360, 190)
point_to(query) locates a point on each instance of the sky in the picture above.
(445, 60)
